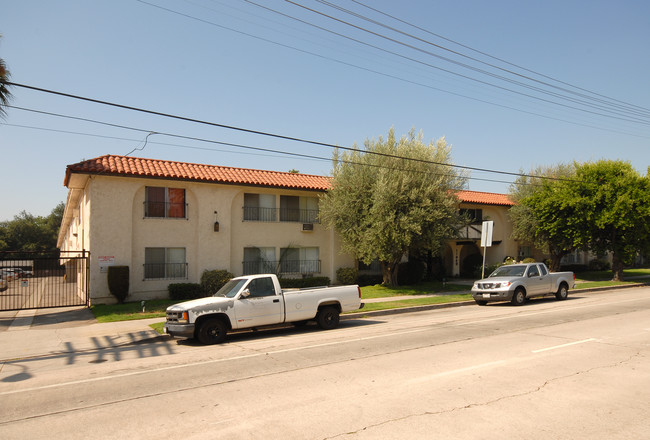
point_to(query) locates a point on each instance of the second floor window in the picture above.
(475, 216)
(161, 202)
(298, 209)
(259, 207)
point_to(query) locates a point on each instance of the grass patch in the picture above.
(606, 275)
(379, 291)
(131, 310)
(371, 307)
(158, 326)
(590, 284)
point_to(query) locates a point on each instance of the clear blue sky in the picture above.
(234, 63)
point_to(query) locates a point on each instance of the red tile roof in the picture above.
(138, 167)
(154, 168)
(484, 198)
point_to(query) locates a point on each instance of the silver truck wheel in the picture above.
(212, 331)
(519, 297)
(562, 292)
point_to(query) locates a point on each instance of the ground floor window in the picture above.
(164, 263)
(259, 260)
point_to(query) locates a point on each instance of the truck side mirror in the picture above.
(245, 293)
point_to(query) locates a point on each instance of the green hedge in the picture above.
(347, 275)
(185, 291)
(118, 282)
(213, 280)
(301, 283)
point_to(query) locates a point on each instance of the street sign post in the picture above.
(486, 241)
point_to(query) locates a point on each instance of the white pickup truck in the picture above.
(255, 301)
(518, 282)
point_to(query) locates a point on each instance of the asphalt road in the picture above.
(563, 370)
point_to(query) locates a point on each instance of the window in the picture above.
(259, 260)
(299, 260)
(259, 207)
(261, 287)
(164, 263)
(533, 271)
(298, 209)
(474, 215)
(163, 202)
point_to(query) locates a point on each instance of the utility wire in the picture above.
(496, 58)
(257, 132)
(627, 119)
(627, 107)
(375, 71)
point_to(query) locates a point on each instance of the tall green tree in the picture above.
(27, 232)
(391, 196)
(5, 94)
(610, 206)
(535, 216)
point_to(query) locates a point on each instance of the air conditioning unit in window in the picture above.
(307, 226)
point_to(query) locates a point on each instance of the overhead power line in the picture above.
(245, 130)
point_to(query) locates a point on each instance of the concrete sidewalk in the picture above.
(32, 333)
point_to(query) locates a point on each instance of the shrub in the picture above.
(509, 260)
(599, 265)
(574, 268)
(118, 282)
(185, 291)
(369, 280)
(213, 280)
(347, 275)
(529, 260)
(301, 283)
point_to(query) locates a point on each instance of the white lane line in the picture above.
(564, 345)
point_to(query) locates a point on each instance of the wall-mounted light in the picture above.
(216, 222)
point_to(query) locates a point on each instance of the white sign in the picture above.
(104, 262)
(486, 234)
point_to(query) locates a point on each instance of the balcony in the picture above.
(470, 232)
(255, 214)
(287, 267)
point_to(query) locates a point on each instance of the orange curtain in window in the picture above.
(176, 206)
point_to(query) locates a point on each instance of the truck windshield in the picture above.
(230, 289)
(509, 271)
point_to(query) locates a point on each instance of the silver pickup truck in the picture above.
(518, 282)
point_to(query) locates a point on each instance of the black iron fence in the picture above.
(255, 214)
(33, 280)
(286, 267)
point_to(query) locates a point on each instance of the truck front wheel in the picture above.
(328, 318)
(212, 331)
(519, 297)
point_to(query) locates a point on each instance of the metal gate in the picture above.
(34, 280)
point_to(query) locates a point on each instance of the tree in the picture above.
(535, 216)
(382, 204)
(5, 94)
(610, 204)
(29, 233)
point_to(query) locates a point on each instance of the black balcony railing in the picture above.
(302, 267)
(256, 214)
(165, 271)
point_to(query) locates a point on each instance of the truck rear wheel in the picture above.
(212, 331)
(562, 292)
(328, 318)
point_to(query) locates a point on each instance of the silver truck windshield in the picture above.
(509, 271)
(230, 289)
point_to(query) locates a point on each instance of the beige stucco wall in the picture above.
(503, 245)
(109, 222)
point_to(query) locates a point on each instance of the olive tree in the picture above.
(390, 196)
